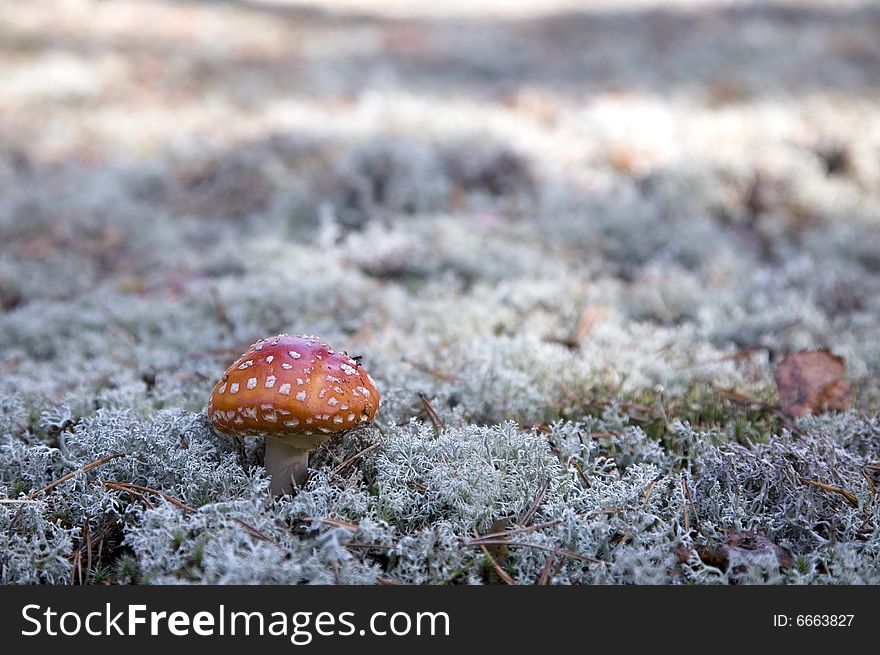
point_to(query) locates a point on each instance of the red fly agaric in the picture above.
(297, 392)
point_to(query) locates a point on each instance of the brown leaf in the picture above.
(746, 547)
(812, 381)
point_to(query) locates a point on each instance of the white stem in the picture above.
(285, 465)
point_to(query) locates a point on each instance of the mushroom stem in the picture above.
(285, 464)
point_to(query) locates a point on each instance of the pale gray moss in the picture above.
(564, 271)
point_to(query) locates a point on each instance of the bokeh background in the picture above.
(559, 233)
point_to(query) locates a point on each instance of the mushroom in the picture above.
(297, 392)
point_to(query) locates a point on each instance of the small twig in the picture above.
(436, 421)
(536, 504)
(686, 490)
(331, 522)
(257, 534)
(646, 496)
(88, 545)
(504, 575)
(523, 530)
(560, 551)
(870, 482)
(850, 497)
(128, 486)
(83, 469)
(354, 458)
(76, 567)
(544, 578)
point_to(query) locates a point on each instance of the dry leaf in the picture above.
(745, 547)
(812, 382)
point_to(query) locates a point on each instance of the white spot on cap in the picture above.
(222, 388)
(370, 378)
(269, 359)
(292, 423)
(299, 381)
(286, 366)
(252, 383)
(270, 381)
(337, 419)
(322, 393)
(364, 391)
(332, 402)
(343, 407)
(332, 378)
(267, 406)
(271, 417)
(246, 364)
(294, 354)
(350, 418)
(284, 389)
(250, 412)
(301, 395)
(338, 390)
(325, 430)
(348, 370)
(233, 388)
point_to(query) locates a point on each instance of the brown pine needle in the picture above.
(501, 552)
(536, 504)
(850, 497)
(870, 482)
(646, 496)
(504, 575)
(436, 421)
(257, 534)
(354, 458)
(83, 469)
(523, 530)
(521, 544)
(686, 490)
(128, 486)
(88, 545)
(544, 578)
(331, 522)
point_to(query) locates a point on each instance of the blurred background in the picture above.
(659, 183)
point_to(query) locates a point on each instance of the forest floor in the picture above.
(571, 242)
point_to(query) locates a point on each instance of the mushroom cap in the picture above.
(294, 388)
